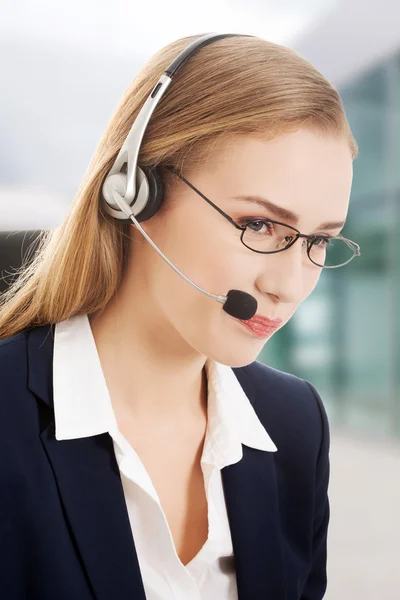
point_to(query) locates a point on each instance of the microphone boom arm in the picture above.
(128, 212)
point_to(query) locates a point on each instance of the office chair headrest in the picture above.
(16, 247)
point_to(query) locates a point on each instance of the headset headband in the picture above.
(130, 150)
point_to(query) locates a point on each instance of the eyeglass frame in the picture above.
(311, 239)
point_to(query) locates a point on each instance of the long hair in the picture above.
(237, 85)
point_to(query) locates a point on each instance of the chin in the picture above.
(226, 342)
(240, 348)
(237, 354)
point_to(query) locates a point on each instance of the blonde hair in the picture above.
(237, 85)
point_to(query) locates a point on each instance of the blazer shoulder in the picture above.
(288, 405)
(263, 378)
(12, 346)
(13, 376)
(22, 416)
(12, 349)
(18, 337)
(297, 389)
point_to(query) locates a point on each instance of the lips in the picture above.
(265, 321)
(261, 326)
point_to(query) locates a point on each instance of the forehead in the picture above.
(304, 171)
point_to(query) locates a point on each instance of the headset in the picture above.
(134, 193)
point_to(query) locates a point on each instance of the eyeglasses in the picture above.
(267, 236)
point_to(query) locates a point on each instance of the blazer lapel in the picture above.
(251, 494)
(90, 489)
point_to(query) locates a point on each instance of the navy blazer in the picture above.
(64, 527)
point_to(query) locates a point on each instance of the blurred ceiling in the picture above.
(65, 65)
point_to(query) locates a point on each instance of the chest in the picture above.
(175, 471)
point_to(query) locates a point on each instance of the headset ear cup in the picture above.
(156, 193)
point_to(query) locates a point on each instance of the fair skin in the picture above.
(155, 335)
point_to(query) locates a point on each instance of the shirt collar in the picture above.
(83, 408)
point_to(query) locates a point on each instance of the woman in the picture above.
(145, 452)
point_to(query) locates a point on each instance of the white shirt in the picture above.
(83, 408)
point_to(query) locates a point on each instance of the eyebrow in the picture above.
(284, 213)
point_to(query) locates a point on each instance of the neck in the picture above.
(152, 374)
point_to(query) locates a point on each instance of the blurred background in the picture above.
(63, 69)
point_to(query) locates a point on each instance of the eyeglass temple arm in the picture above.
(351, 244)
(221, 212)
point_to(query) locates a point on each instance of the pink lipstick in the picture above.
(261, 326)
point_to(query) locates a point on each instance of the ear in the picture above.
(156, 193)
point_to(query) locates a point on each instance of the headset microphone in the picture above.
(236, 303)
(135, 193)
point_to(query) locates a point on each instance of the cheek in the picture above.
(188, 245)
(209, 261)
(310, 281)
(211, 256)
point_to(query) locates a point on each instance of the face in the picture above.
(305, 172)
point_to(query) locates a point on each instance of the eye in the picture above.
(321, 242)
(256, 225)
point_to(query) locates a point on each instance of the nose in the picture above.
(282, 274)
